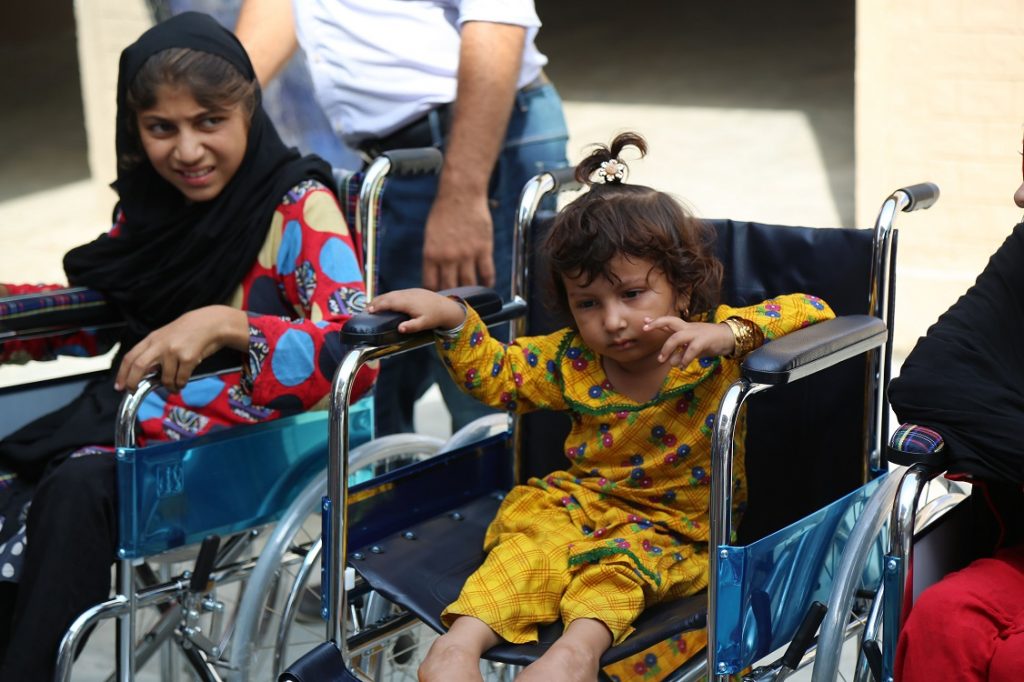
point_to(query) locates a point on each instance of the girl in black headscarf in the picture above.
(228, 248)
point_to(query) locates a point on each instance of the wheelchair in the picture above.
(234, 613)
(416, 534)
(944, 535)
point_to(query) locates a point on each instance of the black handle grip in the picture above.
(922, 195)
(565, 178)
(873, 653)
(418, 161)
(804, 634)
(204, 564)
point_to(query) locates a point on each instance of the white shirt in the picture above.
(380, 64)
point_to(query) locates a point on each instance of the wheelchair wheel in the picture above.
(278, 616)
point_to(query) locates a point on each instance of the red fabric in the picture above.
(968, 626)
(299, 283)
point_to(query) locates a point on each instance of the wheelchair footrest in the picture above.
(322, 664)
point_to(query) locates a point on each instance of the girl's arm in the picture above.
(737, 331)
(780, 315)
(290, 362)
(520, 377)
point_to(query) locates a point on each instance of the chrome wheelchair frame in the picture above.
(784, 361)
(185, 598)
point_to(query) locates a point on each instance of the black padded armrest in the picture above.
(57, 309)
(813, 349)
(381, 329)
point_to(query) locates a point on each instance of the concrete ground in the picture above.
(748, 110)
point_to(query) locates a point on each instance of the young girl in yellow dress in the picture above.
(640, 371)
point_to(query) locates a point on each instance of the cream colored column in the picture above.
(105, 27)
(940, 97)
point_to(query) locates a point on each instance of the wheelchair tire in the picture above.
(267, 636)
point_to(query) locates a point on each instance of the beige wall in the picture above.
(105, 27)
(940, 97)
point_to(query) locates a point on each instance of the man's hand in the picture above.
(176, 349)
(427, 309)
(458, 244)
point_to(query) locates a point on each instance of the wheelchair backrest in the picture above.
(805, 441)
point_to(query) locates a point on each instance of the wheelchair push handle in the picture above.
(564, 179)
(921, 195)
(417, 161)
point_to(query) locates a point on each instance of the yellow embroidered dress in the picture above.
(626, 524)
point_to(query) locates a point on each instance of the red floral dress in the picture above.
(305, 284)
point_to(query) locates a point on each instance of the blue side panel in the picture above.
(766, 588)
(175, 494)
(404, 497)
(732, 561)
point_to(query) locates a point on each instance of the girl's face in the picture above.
(610, 314)
(196, 149)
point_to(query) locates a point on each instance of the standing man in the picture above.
(460, 75)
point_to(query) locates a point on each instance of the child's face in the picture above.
(610, 314)
(196, 149)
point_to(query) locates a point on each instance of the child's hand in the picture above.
(688, 341)
(428, 309)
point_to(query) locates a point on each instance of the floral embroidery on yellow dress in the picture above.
(625, 525)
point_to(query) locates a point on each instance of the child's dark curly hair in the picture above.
(636, 221)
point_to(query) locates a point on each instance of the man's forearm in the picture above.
(489, 61)
(267, 30)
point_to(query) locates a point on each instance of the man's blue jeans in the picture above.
(535, 142)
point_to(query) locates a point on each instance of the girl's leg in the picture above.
(455, 655)
(599, 606)
(72, 531)
(575, 657)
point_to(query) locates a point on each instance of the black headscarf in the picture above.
(965, 378)
(172, 256)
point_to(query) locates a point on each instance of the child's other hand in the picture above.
(427, 309)
(688, 341)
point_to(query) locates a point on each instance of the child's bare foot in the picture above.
(575, 657)
(455, 655)
(563, 663)
(450, 660)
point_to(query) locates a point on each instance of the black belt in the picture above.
(419, 133)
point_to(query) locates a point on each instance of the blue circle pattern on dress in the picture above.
(152, 407)
(291, 247)
(201, 393)
(292, 362)
(338, 262)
